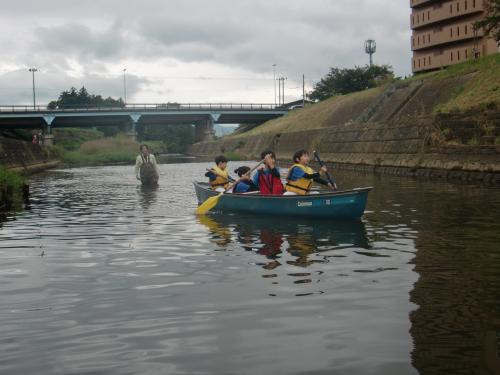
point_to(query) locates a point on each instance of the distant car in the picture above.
(297, 106)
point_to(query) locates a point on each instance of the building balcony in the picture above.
(440, 57)
(418, 3)
(446, 11)
(443, 35)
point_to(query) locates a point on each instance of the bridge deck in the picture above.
(12, 116)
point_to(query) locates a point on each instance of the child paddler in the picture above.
(300, 176)
(268, 177)
(218, 175)
(245, 183)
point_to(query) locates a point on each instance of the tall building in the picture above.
(443, 33)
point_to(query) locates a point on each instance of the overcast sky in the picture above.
(191, 50)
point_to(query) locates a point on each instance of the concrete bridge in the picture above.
(203, 116)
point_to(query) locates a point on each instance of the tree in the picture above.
(81, 98)
(175, 137)
(491, 23)
(344, 81)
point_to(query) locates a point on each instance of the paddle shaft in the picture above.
(330, 179)
(228, 178)
(212, 201)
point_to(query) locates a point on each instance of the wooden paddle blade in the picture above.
(208, 205)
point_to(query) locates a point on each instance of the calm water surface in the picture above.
(98, 276)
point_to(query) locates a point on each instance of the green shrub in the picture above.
(234, 156)
(112, 150)
(72, 138)
(11, 189)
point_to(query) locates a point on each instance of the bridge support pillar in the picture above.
(47, 137)
(48, 140)
(132, 128)
(204, 131)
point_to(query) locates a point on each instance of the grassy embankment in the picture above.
(480, 92)
(11, 189)
(82, 147)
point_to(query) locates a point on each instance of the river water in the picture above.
(98, 276)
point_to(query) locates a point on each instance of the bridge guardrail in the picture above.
(145, 107)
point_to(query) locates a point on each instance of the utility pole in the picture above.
(279, 90)
(303, 91)
(33, 70)
(124, 87)
(274, 80)
(282, 79)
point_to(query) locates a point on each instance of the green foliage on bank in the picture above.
(490, 23)
(111, 150)
(345, 81)
(174, 138)
(72, 138)
(234, 156)
(11, 189)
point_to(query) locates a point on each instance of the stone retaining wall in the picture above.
(444, 146)
(25, 157)
(391, 130)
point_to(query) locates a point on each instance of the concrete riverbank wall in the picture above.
(398, 130)
(24, 157)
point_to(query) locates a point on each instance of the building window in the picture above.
(428, 38)
(465, 4)
(473, 3)
(451, 8)
(451, 32)
(414, 65)
(419, 63)
(458, 6)
(424, 62)
(465, 29)
(458, 55)
(458, 30)
(428, 15)
(466, 54)
(412, 19)
(418, 18)
(418, 40)
(429, 60)
(413, 42)
(451, 55)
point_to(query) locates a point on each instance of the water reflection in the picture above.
(303, 241)
(417, 282)
(147, 195)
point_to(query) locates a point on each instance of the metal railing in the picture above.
(147, 107)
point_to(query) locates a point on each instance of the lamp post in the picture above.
(274, 80)
(124, 87)
(33, 70)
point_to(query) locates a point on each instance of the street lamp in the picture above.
(124, 87)
(274, 79)
(33, 70)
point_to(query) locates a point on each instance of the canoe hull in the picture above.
(342, 204)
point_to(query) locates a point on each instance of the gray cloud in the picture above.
(246, 35)
(81, 41)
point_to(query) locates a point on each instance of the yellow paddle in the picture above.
(212, 201)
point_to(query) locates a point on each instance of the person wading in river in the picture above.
(146, 169)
